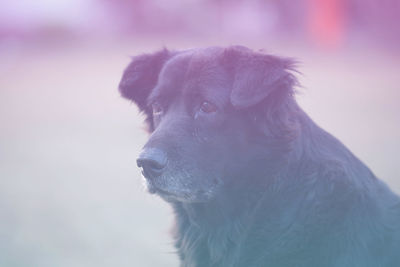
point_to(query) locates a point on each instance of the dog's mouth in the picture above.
(171, 195)
(153, 189)
(168, 195)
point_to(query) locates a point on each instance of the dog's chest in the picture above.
(216, 247)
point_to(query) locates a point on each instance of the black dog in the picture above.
(252, 179)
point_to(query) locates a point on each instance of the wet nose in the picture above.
(152, 162)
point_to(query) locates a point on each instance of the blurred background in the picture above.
(70, 192)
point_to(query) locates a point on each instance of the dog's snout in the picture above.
(152, 161)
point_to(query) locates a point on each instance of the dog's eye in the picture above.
(208, 107)
(157, 110)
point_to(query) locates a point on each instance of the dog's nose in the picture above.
(152, 161)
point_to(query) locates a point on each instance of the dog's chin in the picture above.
(187, 196)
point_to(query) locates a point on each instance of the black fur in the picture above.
(257, 182)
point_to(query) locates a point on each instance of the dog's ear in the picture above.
(140, 77)
(257, 75)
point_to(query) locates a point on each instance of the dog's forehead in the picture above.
(193, 72)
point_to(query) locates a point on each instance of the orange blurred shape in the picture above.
(326, 19)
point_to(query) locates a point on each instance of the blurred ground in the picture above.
(70, 192)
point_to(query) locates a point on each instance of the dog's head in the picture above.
(211, 113)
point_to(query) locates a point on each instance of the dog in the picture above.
(252, 180)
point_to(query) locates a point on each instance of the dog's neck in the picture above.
(215, 229)
(207, 232)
